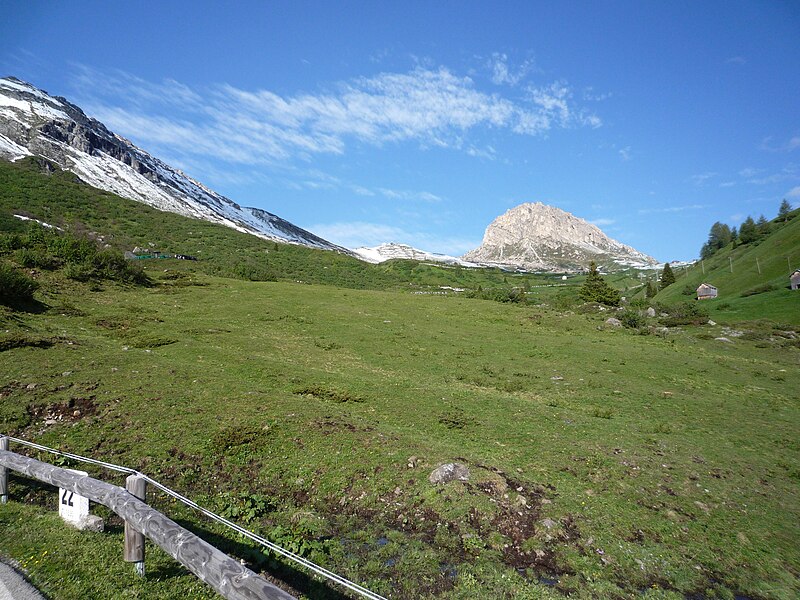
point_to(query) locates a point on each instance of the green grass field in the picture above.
(309, 396)
(604, 463)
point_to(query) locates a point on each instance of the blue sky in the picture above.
(420, 122)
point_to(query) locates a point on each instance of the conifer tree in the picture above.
(784, 210)
(595, 289)
(667, 276)
(748, 232)
(651, 290)
(762, 225)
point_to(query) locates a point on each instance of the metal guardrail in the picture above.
(7, 461)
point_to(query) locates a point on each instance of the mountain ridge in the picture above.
(32, 122)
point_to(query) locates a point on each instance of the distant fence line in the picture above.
(226, 575)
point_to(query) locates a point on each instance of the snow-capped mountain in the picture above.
(391, 250)
(538, 237)
(34, 123)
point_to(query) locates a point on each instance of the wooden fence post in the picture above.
(134, 540)
(226, 575)
(3, 473)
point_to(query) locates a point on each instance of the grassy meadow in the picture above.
(604, 463)
(309, 396)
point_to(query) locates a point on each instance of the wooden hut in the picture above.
(706, 291)
(794, 279)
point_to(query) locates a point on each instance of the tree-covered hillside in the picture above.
(752, 277)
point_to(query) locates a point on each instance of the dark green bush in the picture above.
(684, 313)
(632, 319)
(37, 258)
(759, 289)
(15, 287)
(515, 295)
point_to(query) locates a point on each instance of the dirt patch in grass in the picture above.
(328, 425)
(73, 410)
(328, 394)
(152, 341)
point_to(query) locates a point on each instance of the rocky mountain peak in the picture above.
(539, 237)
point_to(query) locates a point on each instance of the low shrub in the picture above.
(759, 289)
(37, 258)
(683, 313)
(632, 319)
(15, 287)
(515, 295)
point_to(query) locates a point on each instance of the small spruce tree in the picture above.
(595, 289)
(784, 210)
(667, 276)
(651, 290)
(762, 225)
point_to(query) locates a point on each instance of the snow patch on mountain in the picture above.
(11, 149)
(391, 250)
(34, 123)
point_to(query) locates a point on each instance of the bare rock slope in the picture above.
(538, 237)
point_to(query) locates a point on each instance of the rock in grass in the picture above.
(449, 472)
(650, 312)
(613, 322)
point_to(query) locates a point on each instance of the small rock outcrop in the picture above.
(613, 322)
(449, 472)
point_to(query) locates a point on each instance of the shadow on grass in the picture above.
(294, 580)
(31, 306)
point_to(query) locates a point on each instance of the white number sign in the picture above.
(72, 507)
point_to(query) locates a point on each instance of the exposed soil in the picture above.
(73, 410)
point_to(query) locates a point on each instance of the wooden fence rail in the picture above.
(226, 575)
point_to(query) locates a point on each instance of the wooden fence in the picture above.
(226, 575)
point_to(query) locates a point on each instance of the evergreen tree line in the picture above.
(721, 235)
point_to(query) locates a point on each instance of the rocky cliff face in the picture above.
(537, 237)
(35, 123)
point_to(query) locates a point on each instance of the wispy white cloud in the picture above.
(790, 172)
(701, 178)
(671, 209)
(749, 172)
(409, 195)
(359, 233)
(503, 74)
(625, 153)
(429, 106)
(487, 152)
(727, 184)
(361, 191)
(603, 222)
(768, 144)
(736, 60)
(591, 95)
(793, 193)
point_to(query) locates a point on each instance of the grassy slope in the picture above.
(318, 396)
(644, 463)
(58, 200)
(770, 255)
